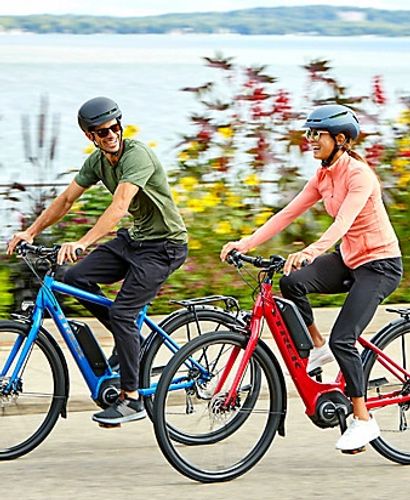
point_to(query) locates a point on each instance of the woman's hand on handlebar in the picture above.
(295, 261)
(17, 238)
(241, 246)
(70, 252)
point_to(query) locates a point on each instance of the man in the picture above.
(143, 256)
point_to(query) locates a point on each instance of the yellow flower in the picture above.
(76, 207)
(183, 156)
(188, 183)
(262, 217)
(246, 230)
(226, 132)
(252, 180)
(233, 201)
(210, 200)
(89, 149)
(404, 117)
(400, 164)
(404, 180)
(152, 144)
(130, 131)
(404, 143)
(217, 188)
(175, 195)
(223, 227)
(195, 205)
(194, 244)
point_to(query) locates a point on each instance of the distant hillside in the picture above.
(310, 20)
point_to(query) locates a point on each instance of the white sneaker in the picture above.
(319, 356)
(358, 434)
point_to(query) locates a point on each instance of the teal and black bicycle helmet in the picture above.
(335, 119)
(97, 111)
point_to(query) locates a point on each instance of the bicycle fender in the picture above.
(275, 362)
(63, 361)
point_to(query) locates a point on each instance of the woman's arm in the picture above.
(302, 202)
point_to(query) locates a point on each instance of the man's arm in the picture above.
(118, 208)
(56, 211)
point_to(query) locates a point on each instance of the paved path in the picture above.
(81, 461)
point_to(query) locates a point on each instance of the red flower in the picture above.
(378, 96)
(282, 104)
(374, 154)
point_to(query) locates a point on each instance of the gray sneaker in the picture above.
(123, 410)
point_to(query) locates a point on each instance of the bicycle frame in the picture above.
(308, 388)
(46, 301)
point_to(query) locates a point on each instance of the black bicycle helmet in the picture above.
(97, 111)
(334, 118)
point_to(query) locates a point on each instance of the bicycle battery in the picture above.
(296, 326)
(90, 347)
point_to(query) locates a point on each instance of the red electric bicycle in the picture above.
(220, 376)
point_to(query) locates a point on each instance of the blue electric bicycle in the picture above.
(34, 378)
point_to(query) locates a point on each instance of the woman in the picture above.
(367, 264)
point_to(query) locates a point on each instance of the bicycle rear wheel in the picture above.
(393, 420)
(196, 412)
(183, 327)
(30, 411)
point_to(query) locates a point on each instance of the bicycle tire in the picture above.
(29, 417)
(194, 324)
(215, 348)
(390, 418)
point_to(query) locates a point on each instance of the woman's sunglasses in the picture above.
(313, 134)
(103, 132)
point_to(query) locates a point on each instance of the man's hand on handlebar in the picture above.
(70, 252)
(295, 261)
(241, 246)
(17, 238)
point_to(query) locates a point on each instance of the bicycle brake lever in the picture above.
(232, 259)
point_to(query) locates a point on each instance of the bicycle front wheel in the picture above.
(29, 412)
(393, 420)
(186, 403)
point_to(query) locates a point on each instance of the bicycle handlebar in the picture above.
(24, 248)
(275, 262)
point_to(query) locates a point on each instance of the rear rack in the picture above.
(230, 302)
(403, 311)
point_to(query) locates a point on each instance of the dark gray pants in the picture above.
(144, 266)
(367, 286)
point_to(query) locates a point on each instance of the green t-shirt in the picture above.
(152, 208)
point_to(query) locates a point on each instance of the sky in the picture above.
(155, 7)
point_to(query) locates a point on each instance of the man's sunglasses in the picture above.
(103, 132)
(313, 134)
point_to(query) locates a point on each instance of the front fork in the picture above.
(231, 397)
(21, 348)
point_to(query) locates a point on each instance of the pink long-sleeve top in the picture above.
(351, 194)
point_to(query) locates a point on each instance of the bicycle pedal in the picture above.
(355, 451)
(109, 426)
